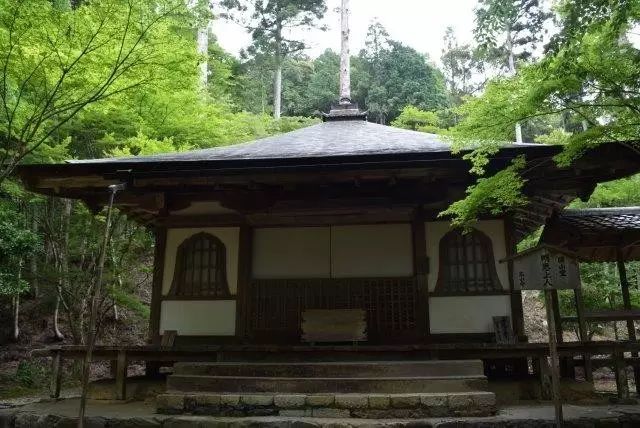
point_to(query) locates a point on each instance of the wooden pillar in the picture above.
(245, 252)
(584, 334)
(517, 311)
(626, 299)
(56, 374)
(153, 367)
(121, 375)
(555, 360)
(421, 270)
(622, 382)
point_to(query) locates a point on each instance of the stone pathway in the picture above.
(58, 414)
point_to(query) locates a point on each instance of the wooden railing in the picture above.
(276, 306)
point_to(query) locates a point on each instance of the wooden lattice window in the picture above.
(467, 264)
(201, 269)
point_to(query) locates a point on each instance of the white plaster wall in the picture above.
(199, 318)
(468, 314)
(494, 229)
(291, 252)
(230, 237)
(377, 250)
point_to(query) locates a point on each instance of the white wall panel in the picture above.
(468, 314)
(199, 318)
(291, 252)
(229, 236)
(494, 229)
(377, 250)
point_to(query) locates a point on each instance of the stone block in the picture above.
(295, 413)
(352, 401)
(320, 400)
(229, 400)
(460, 402)
(405, 401)
(289, 401)
(379, 402)
(208, 400)
(170, 403)
(433, 400)
(483, 399)
(323, 412)
(257, 400)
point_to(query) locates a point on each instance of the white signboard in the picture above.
(545, 269)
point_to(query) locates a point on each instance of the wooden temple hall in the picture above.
(315, 262)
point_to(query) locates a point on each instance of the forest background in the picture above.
(89, 79)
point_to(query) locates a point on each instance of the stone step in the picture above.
(254, 384)
(372, 406)
(365, 369)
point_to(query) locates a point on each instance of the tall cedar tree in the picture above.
(509, 30)
(270, 23)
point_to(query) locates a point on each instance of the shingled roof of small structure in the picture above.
(596, 234)
(327, 139)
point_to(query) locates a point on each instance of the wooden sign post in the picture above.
(548, 268)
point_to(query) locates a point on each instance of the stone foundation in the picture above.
(362, 406)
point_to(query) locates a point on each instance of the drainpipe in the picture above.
(95, 300)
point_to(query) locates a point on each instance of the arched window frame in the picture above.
(453, 241)
(214, 288)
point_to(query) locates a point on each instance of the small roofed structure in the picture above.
(597, 234)
(601, 235)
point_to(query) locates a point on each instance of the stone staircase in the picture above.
(380, 389)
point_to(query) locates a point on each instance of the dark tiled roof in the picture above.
(328, 139)
(602, 219)
(596, 234)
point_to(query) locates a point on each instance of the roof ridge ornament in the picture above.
(345, 109)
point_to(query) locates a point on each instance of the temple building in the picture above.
(325, 244)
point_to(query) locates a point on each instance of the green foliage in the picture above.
(587, 82)
(60, 60)
(128, 300)
(491, 195)
(415, 119)
(17, 243)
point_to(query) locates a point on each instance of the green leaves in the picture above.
(489, 196)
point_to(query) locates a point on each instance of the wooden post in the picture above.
(622, 382)
(56, 374)
(421, 269)
(584, 334)
(555, 361)
(121, 375)
(152, 368)
(546, 383)
(626, 299)
(245, 259)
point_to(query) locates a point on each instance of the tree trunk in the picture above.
(56, 316)
(16, 317)
(512, 71)
(33, 262)
(277, 89)
(203, 50)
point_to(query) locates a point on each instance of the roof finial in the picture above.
(345, 109)
(345, 59)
